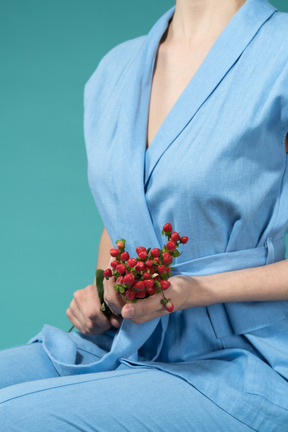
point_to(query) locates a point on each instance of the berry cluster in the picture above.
(148, 273)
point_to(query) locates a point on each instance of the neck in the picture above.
(195, 19)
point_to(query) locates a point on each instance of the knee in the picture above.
(25, 412)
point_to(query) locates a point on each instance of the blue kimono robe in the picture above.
(217, 170)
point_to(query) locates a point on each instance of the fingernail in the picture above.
(129, 312)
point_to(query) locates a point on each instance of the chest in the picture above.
(174, 69)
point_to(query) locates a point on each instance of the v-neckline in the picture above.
(221, 58)
(152, 71)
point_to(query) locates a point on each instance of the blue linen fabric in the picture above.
(217, 170)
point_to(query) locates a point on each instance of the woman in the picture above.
(185, 125)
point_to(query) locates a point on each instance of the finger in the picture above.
(76, 312)
(116, 321)
(87, 308)
(144, 307)
(85, 325)
(88, 326)
(113, 298)
(74, 320)
(110, 261)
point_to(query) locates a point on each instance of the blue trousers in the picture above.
(33, 398)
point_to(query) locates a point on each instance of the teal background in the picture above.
(50, 227)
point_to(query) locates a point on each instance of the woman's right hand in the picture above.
(85, 314)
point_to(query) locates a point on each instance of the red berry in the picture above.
(171, 245)
(129, 279)
(184, 239)
(143, 255)
(121, 268)
(157, 260)
(151, 290)
(120, 245)
(169, 306)
(148, 283)
(167, 259)
(140, 294)
(132, 262)
(149, 264)
(153, 270)
(130, 294)
(167, 227)
(175, 236)
(165, 284)
(161, 269)
(147, 275)
(114, 252)
(114, 264)
(108, 273)
(124, 256)
(150, 270)
(155, 252)
(140, 249)
(140, 266)
(119, 280)
(139, 286)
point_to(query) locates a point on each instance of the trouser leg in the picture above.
(25, 363)
(138, 399)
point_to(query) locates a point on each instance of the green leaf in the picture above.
(121, 290)
(157, 283)
(99, 284)
(176, 253)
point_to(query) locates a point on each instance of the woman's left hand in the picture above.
(184, 292)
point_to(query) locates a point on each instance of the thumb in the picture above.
(142, 307)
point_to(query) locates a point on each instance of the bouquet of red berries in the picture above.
(145, 275)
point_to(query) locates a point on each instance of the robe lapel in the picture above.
(222, 56)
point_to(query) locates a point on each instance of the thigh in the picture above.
(25, 363)
(138, 399)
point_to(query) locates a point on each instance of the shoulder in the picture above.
(276, 56)
(275, 34)
(113, 64)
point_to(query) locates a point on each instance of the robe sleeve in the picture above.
(107, 74)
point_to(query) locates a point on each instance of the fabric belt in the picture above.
(240, 317)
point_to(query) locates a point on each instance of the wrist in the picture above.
(209, 290)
